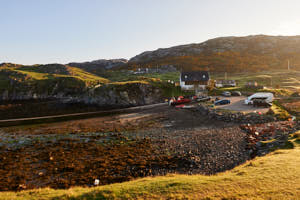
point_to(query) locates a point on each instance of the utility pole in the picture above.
(288, 65)
(225, 75)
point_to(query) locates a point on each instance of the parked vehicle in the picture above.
(179, 100)
(203, 99)
(261, 102)
(267, 96)
(226, 94)
(222, 102)
(236, 93)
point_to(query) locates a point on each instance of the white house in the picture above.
(190, 80)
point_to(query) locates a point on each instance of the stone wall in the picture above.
(250, 118)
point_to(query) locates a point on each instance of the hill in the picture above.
(75, 85)
(44, 81)
(99, 66)
(224, 54)
(231, 54)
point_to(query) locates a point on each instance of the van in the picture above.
(266, 96)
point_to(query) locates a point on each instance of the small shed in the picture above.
(225, 83)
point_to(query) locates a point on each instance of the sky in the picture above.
(63, 31)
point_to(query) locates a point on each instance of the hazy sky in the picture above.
(61, 31)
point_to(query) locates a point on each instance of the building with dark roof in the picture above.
(190, 80)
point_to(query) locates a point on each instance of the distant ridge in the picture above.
(249, 53)
(99, 66)
(223, 54)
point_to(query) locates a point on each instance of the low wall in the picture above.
(250, 118)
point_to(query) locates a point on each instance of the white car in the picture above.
(267, 96)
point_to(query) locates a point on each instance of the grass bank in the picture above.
(275, 176)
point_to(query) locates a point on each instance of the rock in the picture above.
(258, 144)
(234, 117)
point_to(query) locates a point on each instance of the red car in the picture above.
(179, 100)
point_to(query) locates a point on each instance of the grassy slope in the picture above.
(281, 78)
(275, 176)
(286, 80)
(33, 74)
(86, 76)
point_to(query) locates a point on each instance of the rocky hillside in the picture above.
(233, 54)
(18, 82)
(73, 85)
(99, 66)
(122, 95)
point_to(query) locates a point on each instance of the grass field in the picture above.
(279, 78)
(280, 82)
(275, 176)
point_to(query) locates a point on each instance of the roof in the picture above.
(262, 94)
(195, 76)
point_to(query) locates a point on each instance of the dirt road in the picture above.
(20, 121)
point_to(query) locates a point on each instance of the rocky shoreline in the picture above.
(180, 141)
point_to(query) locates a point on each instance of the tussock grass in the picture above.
(86, 76)
(275, 176)
(279, 112)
